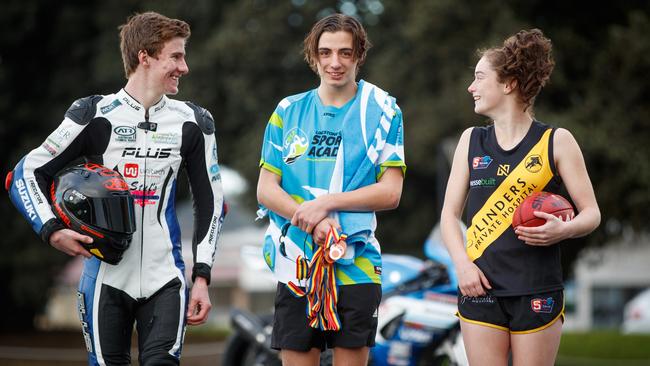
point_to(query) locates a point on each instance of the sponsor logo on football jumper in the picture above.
(483, 182)
(534, 163)
(503, 170)
(481, 162)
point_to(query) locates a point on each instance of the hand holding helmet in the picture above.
(71, 242)
(95, 201)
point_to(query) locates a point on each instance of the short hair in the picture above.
(149, 32)
(525, 57)
(334, 23)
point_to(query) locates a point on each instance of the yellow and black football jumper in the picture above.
(499, 181)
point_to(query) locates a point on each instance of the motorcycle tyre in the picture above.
(235, 350)
(430, 358)
(442, 360)
(240, 352)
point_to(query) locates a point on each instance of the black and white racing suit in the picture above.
(148, 148)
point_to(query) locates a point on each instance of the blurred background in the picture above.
(245, 55)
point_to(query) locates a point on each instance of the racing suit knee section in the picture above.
(160, 323)
(115, 326)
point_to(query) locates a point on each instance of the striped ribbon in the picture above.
(321, 290)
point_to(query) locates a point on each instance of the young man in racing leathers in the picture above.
(148, 138)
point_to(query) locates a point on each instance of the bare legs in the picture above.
(295, 358)
(489, 346)
(342, 357)
(350, 356)
(484, 345)
(537, 349)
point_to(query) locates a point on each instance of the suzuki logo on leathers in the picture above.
(157, 153)
(27, 201)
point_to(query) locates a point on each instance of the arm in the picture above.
(471, 280)
(199, 307)
(199, 151)
(31, 178)
(69, 242)
(322, 229)
(270, 193)
(272, 196)
(571, 167)
(383, 195)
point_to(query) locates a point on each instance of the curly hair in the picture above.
(525, 57)
(147, 32)
(334, 23)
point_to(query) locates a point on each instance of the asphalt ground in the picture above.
(67, 348)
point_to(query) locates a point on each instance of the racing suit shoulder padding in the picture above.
(83, 110)
(203, 118)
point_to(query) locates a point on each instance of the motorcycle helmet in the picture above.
(95, 201)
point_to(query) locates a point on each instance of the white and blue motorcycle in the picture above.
(417, 321)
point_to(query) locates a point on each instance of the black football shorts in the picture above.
(514, 314)
(357, 309)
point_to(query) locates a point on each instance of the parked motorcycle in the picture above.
(417, 322)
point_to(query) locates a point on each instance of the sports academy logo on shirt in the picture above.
(324, 146)
(295, 145)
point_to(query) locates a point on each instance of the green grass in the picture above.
(604, 348)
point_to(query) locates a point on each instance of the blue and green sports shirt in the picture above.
(301, 143)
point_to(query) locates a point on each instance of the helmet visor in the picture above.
(114, 214)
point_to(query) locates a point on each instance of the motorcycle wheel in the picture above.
(433, 358)
(240, 352)
(235, 351)
(440, 361)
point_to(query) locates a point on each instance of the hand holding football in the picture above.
(551, 203)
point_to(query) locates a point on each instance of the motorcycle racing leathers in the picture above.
(149, 148)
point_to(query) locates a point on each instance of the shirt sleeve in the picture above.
(272, 145)
(392, 156)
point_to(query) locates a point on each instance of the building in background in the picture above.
(605, 279)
